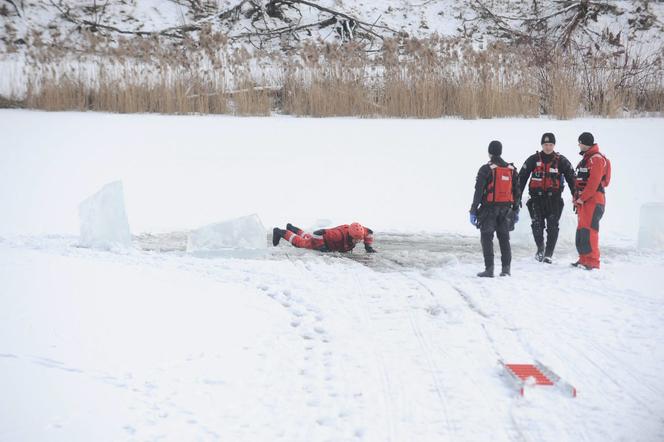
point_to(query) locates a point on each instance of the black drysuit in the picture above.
(545, 205)
(495, 216)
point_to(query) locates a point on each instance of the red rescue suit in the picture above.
(593, 174)
(336, 239)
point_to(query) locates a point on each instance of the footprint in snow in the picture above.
(213, 382)
(325, 421)
(113, 381)
(129, 429)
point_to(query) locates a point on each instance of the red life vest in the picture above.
(499, 189)
(583, 171)
(545, 176)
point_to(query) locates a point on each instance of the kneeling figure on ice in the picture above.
(342, 238)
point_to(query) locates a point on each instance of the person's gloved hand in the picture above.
(369, 249)
(473, 219)
(516, 217)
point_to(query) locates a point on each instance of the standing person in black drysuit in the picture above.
(495, 208)
(547, 171)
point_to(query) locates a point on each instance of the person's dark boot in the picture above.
(487, 252)
(578, 265)
(547, 259)
(277, 233)
(505, 271)
(292, 228)
(551, 240)
(538, 236)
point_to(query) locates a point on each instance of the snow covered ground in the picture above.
(150, 343)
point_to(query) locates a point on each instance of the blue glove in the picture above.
(516, 217)
(473, 219)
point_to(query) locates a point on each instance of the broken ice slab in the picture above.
(243, 237)
(103, 219)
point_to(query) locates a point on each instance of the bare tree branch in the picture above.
(11, 2)
(367, 27)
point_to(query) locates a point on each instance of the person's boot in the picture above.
(539, 256)
(551, 239)
(277, 233)
(505, 271)
(578, 265)
(487, 252)
(292, 228)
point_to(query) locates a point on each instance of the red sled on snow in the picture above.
(536, 374)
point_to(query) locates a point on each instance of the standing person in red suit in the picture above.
(593, 175)
(342, 238)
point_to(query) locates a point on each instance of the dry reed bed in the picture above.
(412, 79)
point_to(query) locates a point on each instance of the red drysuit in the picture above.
(336, 239)
(592, 176)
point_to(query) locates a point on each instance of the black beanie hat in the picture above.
(495, 148)
(548, 138)
(586, 139)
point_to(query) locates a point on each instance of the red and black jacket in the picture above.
(593, 174)
(547, 174)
